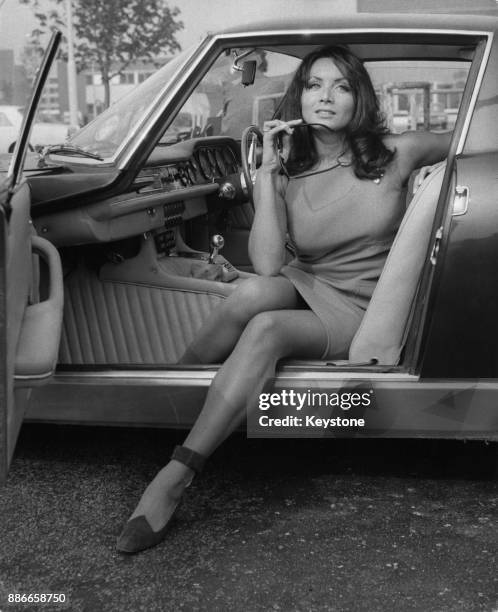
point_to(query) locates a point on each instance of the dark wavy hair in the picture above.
(365, 130)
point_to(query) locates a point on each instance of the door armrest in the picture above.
(38, 346)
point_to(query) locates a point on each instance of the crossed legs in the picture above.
(223, 328)
(260, 323)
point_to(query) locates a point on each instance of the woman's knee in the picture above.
(265, 333)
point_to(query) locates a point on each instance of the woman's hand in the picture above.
(271, 131)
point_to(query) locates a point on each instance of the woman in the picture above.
(334, 187)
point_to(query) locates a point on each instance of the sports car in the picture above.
(111, 253)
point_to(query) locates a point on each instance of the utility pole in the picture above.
(71, 68)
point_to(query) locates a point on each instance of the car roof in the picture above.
(280, 34)
(326, 19)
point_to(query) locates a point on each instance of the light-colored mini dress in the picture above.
(342, 228)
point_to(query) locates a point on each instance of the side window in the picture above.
(419, 95)
(221, 105)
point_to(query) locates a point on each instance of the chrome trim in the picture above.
(436, 246)
(208, 43)
(25, 377)
(366, 30)
(475, 92)
(200, 378)
(197, 56)
(461, 200)
(83, 161)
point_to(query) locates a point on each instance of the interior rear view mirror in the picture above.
(248, 72)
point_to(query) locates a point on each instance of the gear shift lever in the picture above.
(217, 243)
(207, 268)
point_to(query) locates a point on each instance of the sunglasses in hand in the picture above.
(295, 173)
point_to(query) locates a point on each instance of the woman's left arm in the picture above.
(417, 149)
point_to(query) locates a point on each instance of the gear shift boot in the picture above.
(212, 266)
(220, 270)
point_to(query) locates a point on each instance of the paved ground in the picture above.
(292, 525)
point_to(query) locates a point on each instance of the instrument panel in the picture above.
(206, 164)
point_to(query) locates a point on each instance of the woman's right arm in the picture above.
(269, 228)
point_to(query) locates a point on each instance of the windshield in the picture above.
(222, 105)
(108, 131)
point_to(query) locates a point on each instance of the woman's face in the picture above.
(327, 97)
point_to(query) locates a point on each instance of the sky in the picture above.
(198, 16)
(201, 16)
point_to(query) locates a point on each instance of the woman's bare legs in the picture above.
(268, 337)
(221, 331)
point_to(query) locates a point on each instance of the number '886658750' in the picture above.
(36, 598)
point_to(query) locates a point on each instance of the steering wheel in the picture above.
(252, 139)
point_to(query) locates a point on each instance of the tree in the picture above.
(111, 34)
(31, 56)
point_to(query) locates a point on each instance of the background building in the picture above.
(14, 85)
(134, 74)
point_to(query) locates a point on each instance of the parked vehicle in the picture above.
(130, 213)
(46, 129)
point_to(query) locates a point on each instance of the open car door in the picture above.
(31, 290)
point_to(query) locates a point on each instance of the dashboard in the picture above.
(172, 186)
(193, 162)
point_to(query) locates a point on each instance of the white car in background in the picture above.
(46, 130)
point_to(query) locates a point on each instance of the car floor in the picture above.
(282, 524)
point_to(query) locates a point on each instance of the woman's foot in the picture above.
(150, 520)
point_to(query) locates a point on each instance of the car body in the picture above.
(45, 131)
(131, 208)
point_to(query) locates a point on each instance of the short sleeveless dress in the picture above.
(342, 229)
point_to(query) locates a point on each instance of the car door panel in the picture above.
(444, 342)
(31, 331)
(29, 328)
(17, 281)
(464, 313)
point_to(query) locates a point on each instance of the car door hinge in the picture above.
(437, 242)
(461, 200)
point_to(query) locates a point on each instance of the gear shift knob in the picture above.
(217, 243)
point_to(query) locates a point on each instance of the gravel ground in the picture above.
(293, 525)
